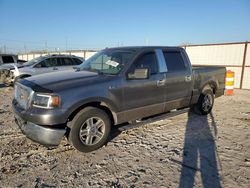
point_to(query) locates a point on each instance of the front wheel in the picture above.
(90, 129)
(205, 102)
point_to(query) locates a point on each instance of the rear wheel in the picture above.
(205, 102)
(90, 129)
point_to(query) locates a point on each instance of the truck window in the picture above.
(174, 61)
(108, 61)
(147, 60)
(8, 59)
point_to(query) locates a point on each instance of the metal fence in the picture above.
(234, 56)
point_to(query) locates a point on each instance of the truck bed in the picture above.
(205, 74)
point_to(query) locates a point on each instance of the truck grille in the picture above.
(23, 95)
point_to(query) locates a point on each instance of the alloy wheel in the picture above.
(92, 131)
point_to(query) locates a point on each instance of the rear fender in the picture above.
(210, 84)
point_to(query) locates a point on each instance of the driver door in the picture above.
(144, 97)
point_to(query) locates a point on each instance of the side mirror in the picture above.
(141, 73)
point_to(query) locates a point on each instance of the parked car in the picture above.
(8, 61)
(40, 65)
(114, 86)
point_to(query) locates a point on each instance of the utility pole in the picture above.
(66, 44)
(146, 41)
(4, 49)
(46, 47)
(25, 49)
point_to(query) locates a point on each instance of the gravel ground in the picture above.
(181, 151)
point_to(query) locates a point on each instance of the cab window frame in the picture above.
(182, 57)
(132, 65)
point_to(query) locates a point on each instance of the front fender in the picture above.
(93, 100)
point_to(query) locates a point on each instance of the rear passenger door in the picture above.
(178, 79)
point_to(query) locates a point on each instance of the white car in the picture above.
(40, 65)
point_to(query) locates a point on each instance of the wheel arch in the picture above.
(211, 84)
(103, 105)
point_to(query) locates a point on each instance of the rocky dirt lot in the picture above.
(180, 151)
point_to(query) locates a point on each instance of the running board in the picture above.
(152, 119)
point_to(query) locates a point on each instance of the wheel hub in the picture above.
(92, 131)
(207, 103)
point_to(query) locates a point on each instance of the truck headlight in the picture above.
(46, 101)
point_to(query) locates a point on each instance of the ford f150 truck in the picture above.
(114, 86)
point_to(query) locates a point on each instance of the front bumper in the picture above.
(44, 135)
(40, 116)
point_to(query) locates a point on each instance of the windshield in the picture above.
(33, 61)
(108, 61)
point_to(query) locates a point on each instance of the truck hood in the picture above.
(61, 80)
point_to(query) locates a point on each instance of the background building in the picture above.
(234, 56)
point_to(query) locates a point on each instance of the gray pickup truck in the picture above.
(114, 86)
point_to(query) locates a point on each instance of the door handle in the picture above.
(188, 78)
(161, 82)
(55, 68)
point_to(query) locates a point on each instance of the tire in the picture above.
(90, 129)
(205, 102)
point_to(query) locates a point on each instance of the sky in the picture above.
(30, 25)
